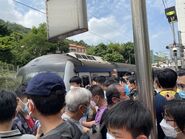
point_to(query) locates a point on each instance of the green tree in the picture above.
(127, 51)
(114, 52)
(4, 29)
(35, 44)
(113, 57)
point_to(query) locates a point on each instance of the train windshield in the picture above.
(28, 76)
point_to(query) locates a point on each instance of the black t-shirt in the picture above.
(65, 130)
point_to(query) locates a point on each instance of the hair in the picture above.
(21, 90)
(110, 81)
(111, 92)
(127, 74)
(167, 78)
(51, 104)
(97, 90)
(77, 96)
(155, 73)
(181, 72)
(176, 110)
(131, 115)
(132, 79)
(100, 79)
(75, 79)
(8, 104)
(122, 80)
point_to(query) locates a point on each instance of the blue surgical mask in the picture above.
(182, 94)
(25, 109)
(127, 90)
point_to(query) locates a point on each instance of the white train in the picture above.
(71, 64)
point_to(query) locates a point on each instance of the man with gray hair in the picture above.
(77, 105)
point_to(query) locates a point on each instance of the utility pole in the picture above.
(181, 49)
(172, 18)
(142, 56)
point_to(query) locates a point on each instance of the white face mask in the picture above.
(168, 130)
(109, 136)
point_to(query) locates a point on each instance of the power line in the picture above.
(103, 38)
(45, 13)
(164, 4)
(29, 7)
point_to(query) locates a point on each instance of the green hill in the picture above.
(6, 28)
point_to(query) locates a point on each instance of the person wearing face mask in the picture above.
(114, 94)
(123, 83)
(173, 123)
(23, 122)
(129, 120)
(181, 84)
(77, 105)
(46, 98)
(100, 101)
(166, 81)
(132, 87)
(8, 104)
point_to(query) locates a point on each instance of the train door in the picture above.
(68, 74)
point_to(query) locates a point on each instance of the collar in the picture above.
(165, 92)
(9, 134)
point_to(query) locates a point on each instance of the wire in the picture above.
(103, 38)
(29, 7)
(45, 13)
(164, 4)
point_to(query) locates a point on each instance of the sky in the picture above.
(108, 20)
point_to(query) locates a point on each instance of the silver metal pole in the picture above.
(174, 43)
(173, 31)
(142, 56)
(180, 47)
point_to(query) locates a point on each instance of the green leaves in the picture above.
(114, 52)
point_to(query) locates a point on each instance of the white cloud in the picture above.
(32, 18)
(105, 29)
(10, 12)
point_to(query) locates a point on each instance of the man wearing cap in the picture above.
(46, 97)
(8, 104)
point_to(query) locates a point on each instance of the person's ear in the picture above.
(31, 106)
(141, 137)
(81, 109)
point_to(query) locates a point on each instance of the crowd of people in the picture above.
(108, 108)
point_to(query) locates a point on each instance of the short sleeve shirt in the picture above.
(64, 131)
(99, 114)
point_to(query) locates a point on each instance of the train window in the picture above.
(84, 56)
(89, 57)
(93, 57)
(78, 56)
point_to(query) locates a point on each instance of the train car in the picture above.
(71, 64)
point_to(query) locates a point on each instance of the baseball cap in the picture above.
(43, 84)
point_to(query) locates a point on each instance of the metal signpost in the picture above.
(142, 55)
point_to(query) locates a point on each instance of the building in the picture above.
(77, 48)
(180, 8)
